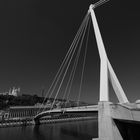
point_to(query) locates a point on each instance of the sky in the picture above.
(36, 34)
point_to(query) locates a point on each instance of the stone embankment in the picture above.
(30, 121)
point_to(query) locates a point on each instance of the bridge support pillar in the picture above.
(107, 129)
(36, 121)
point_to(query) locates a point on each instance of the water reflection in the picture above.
(79, 136)
(80, 130)
(37, 134)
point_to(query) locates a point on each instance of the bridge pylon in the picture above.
(107, 129)
(106, 70)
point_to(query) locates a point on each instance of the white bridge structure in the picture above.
(113, 119)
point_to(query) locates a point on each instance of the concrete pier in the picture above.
(118, 121)
(107, 130)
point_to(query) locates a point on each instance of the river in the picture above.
(76, 130)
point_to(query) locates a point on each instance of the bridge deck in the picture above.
(93, 108)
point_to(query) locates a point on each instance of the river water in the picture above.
(76, 130)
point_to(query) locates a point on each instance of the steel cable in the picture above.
(83, 68)
(66, 70)
(54, 83)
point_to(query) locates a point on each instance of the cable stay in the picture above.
(72, 71)
(65, 61)
(68, 55)
(67, 68)
(83, 68)
(70, 81)
(81, 44)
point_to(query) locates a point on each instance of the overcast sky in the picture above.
(36, 34)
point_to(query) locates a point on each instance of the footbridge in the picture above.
(71, 112)
(119, 121)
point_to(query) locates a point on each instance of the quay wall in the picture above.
(16, 112)
(22, 116)
(26, 122)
